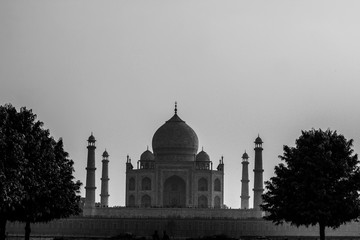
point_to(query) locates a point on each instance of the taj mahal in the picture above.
(177, 189)
(174, 176)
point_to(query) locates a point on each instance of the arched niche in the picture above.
(131, 201)
(146, 201)
(131, 184)
(217, 185)
(202, 202)
(174, 194)
(202, 185)
(146, 184)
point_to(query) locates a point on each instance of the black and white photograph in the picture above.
(185, 119)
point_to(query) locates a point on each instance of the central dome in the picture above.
(175, 140)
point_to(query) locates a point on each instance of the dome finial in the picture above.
(91, 139)
(258, 140)
(245, 155)
(105, 154)
(175, 107)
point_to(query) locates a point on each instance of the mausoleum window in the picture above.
(202, 184)
(146, 184)
(146, 201)
(217, 185)
(131, 184)
(203, 202)
(131, 202)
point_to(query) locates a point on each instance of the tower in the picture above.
(245, 182)
(129, 165)
(90, 174)
(104, 196)
(258, 174)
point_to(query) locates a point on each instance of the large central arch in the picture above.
(174, 192)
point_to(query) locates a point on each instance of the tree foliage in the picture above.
(319, 182)
(38, 177)
(11, 165)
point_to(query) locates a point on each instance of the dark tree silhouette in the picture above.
(52, 191)
(48, 190)
(11, 165)
(319, 183)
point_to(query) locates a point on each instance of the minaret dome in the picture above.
(245, 156)
(105, 154)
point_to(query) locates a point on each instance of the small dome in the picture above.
(175, 137)
(147, 156)
(202, 156)
(105, 154)
(245, 156)
(258, 140)
(91, 138)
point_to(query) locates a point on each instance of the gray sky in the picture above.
(236, 68)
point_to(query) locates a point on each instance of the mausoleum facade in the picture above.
(175, 175)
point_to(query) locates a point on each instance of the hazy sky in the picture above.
(236, 68)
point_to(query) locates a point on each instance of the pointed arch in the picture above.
(132, 184)
(202, 202)
(146, 184)
(131, 201)
(174, 194)
(202, 184)
(217, 185)
(146, 201)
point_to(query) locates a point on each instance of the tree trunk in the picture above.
(27, 230)
(322, 231)
(2, 228)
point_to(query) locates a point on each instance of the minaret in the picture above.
(245, 182)
(104, 196)
(90, 174)
(129, 165)
(258, 174)
(220, 167)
